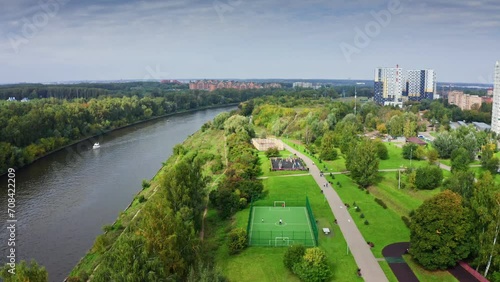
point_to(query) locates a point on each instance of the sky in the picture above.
(68, 40)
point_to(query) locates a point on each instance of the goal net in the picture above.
(282, 241)
(279, 204)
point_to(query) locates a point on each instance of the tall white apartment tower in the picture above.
(388, 86)
(495, 116)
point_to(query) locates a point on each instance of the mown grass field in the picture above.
(266, 263)
(385, 225)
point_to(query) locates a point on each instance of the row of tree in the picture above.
(30, 130)
(240, 185)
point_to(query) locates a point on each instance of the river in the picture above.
(64, 199)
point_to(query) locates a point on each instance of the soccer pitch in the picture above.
(266, 230)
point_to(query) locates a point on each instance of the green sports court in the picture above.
(297, 226)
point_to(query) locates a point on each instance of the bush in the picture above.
(141, 199)
(272, 152)
(380, 202)
(293, 255)
(382, 151)
(428, 177)
(313, 266)
(243, 203)
(358, 209)
(362, 215)
(237, 240)
(366, 222)
(406, 220)
(145, 184)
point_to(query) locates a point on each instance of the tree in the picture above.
(485, 205)
(313, 267)
(460, 159)
(488, 159)
(272, 152)
(410, 151)
(293, 255)
(432, 156)
(462, 183)
(445, 144)
(327, 151)
(24, 272)
(362, 162)
(439, 232)
(428, 177)
(382, 151)
(237, 240)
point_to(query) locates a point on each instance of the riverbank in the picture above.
(206, 143)
(92, 139)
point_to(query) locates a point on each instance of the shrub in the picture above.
(358, 209)
(237, 240)
(380, 202)
(293, 255)
(366, 222)
(367, 192)
(141, 199)
(243, 203)
(382, 151)
(362, 215)
(313, 266)
(406, 220)
(428, 177)
(145, 184)
(272, 152)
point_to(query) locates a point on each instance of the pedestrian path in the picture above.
(370, 268)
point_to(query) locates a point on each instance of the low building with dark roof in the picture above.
(416, 140)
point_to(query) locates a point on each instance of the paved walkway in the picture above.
(370, 268)
(394, 256)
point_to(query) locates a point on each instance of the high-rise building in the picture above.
(495, 116)
(420, 84)
(389, 86)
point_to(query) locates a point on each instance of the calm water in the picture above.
(63, 200)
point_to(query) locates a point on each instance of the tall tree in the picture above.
(328, 151)
(439, 232)
(485, 205)
(362, 161)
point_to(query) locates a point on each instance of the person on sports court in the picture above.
(281, 221)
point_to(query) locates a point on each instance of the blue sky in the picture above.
(61, 40)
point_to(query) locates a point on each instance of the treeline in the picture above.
(442, 112)
(164, 243)
(30, 130)
(85, 90)
(240, 185)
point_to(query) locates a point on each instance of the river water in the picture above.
(64, 199)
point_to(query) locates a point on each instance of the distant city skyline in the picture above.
(63, 40)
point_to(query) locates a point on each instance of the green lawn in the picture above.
(266, 263)
(385, 225)
(430, 276)
(403, 200)
(396, 159)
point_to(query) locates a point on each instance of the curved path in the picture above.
(393, 254)
(370, 268)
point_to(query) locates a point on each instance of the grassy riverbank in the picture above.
(209, 142)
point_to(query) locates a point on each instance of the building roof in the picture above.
(416, 140)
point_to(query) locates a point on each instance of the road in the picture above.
(370, 268)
